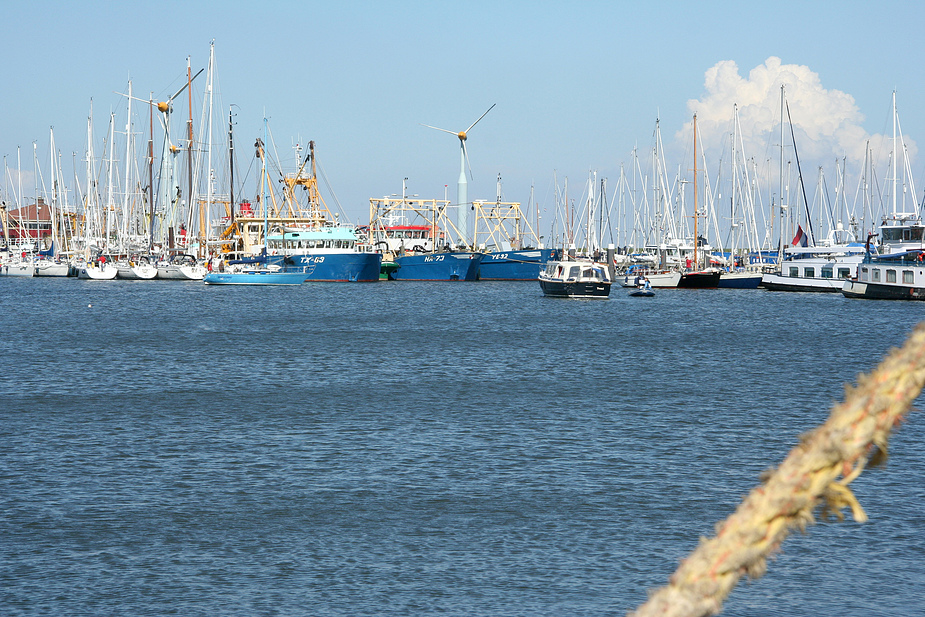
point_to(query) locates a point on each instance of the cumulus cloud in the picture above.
(827, 123)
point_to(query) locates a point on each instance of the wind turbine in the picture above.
(462, 186)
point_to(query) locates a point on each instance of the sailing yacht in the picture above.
(694, 276)
(807, 265)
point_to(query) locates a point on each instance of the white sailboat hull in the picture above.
(141, 271)
(106, 272)
(20, 268)
(50, 268)
(665, 279)
(181, 273)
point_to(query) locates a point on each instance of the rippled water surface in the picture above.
(425, 449)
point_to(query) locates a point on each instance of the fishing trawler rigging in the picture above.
(300, 235)
(418, 237)
(511, 249)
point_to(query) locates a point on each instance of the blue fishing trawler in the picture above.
(522, 265)
(300, 234)
(408, 232)
(440, 266)
(324, 253)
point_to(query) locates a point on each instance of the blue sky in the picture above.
(578, 85)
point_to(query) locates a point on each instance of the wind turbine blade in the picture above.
(466, 154)
(480, 117)
(439, 129)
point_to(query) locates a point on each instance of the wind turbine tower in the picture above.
(462, 186)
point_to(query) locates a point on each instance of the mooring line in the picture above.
(814, 475)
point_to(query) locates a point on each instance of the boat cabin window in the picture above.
(907, 277)
(588, 273)
(809, 272)
(892, 234)
(827, 273)
(794, 272)
(844, 273)
(891, 276)
(574, 271)
(906, 234)
(875, 274)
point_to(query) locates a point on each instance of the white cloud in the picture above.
(827, 123)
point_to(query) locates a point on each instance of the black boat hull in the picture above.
(559, 289)
(699, 280)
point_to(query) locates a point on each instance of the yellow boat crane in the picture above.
(245, 231)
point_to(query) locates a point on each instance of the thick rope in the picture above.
(816, 473)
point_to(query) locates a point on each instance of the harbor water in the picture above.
(423, 449)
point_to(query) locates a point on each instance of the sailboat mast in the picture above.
(894, 153)
(109, 195)
(732, 206)
(263, 179)
(124, 231)
(780, 180)
(231, 164)
(695, 193)
(53, 214)
(189, 144)
(203, 211)
(151, 173)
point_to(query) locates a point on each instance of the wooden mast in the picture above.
(696, 262)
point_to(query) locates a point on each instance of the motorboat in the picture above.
(580, 278)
